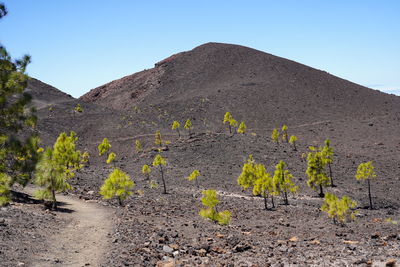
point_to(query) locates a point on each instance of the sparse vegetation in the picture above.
(158, 140)
(118, 184)
(366, 171)
(339, 209)
(210, 200)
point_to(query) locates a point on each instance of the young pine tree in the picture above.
(248, 176)
(104, 147)
(263, 185)
(158, 140)
(160, 161)
(366, 171)
(193, 176)
(316, 170)
(210, 200)
(339, 209)
(275, 136)
(283, 181)
(227, 120)
(118, 184)
(17, 120)
(138, 146)
(4, 189)
(111, 158)
(175, 126)
(86, 158)
(146, 171)
(78, 108)
(56, 166)
(188, 126)
(292, 141)
(284, 133)
(328, 157)
(242, 128)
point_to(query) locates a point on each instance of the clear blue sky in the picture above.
(77, 45)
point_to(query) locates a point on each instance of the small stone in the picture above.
(167, 249)
(391, 263)
(175, 253)
(91, 192)
(201, 252)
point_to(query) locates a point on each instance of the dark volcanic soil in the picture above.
(266, 92)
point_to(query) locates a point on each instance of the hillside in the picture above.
(256, 86)
(265, 91)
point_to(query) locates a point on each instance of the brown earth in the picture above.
(266, 92)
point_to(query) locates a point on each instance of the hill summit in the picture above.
(215, 77)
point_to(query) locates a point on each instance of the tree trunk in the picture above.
(197, 184)
(330, 175)
(54, 205)
(265, 201)
(369, 194)
(272, 200)
(230, 129)
(179, 133)
(163, 180)
(120, 201)
(286, 198)
(321, 191)
(294, 146)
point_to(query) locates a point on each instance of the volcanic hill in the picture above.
(265, 92)
(256, 86)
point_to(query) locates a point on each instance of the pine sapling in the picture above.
(227, 120)
(328, 157)
(104, 147)
(56, 166)
(292, 141)
(138, 146)
(146, 171)
(158, 140)
(275, 136)
(339, 209)
(316, 170)
(263, 185)
(5, 195)
(210, 200)
(284, 133)
(118, 184)
(193, 176)
(283, 181)
(188, 126)
(242, 128)
(111, 158)
(160, 161)
(175, 126)
(366, 171)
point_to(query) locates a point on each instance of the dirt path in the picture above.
(84, 240)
